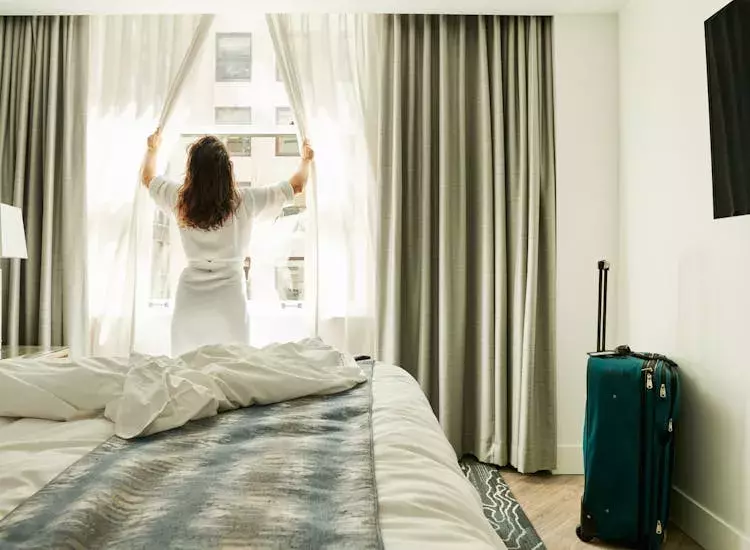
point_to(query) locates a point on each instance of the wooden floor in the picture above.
(552, 503)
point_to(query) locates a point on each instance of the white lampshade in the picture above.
(12, 236)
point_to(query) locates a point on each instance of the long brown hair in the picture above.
(209, 196)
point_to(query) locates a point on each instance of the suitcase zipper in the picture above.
(660, 447)
(642, 520)
(660, 468)
(649, 379)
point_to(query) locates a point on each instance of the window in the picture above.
(284, 116)
(238, 145)
(234, 57)
(287, 146)
(233, 115)
(245, 105)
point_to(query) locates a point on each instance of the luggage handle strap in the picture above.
(625, 351)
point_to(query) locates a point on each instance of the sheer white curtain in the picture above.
(138, 66)
(329, 64)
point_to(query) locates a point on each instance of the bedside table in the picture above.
(33, 352)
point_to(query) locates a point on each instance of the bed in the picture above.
(423, 499)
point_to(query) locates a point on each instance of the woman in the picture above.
(215, 219)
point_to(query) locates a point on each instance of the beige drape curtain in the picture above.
(43, 70)
(466, 267)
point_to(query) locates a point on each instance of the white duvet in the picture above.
(424, 499)
(144, 395)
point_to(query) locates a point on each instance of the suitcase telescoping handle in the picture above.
(601, 323)
(601, 329)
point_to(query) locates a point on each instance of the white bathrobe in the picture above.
(211, 302)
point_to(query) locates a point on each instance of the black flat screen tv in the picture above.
(728, 60)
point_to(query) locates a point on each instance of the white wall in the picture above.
(687, 278)
(587, 127)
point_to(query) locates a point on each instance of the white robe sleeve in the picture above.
(266, 201)
(164, 192)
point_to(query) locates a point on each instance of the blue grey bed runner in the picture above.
(295, 475)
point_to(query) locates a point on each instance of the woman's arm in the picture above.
(299, 179)
(148, 168)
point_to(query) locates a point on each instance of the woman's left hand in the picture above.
(307, 152)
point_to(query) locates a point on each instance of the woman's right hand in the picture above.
(299, 179)
(154, 140)
(148, 167)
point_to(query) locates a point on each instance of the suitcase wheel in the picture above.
(585, 537)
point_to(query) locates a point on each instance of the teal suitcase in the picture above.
(632, 406)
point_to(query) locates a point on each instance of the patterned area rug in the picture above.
(500, 506)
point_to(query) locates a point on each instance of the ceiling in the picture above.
(508, 7)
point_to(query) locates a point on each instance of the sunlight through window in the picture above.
(235, 94)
